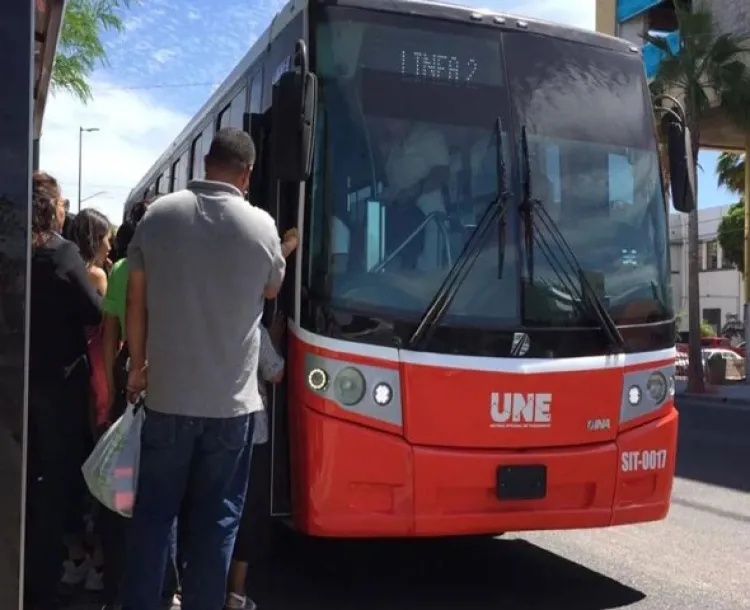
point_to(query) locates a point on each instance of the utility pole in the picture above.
(80, 159)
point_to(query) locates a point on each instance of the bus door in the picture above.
(291, 127)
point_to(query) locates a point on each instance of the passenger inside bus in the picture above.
(417, 166)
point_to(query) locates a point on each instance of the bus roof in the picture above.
(428, 8)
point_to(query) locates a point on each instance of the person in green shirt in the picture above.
(117, 288)
(113, 308)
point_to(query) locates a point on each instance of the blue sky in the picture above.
(166, 64)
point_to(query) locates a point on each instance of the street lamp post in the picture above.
(80, 158)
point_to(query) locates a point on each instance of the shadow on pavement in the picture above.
(480, 573)
(713, 444)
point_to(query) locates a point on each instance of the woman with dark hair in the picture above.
(91, 233)
(67, 226)
(62, 304)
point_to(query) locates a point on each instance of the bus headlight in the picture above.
(657, 387)
(317, 379)
(349, 386)
(382, 394)
(634, 395)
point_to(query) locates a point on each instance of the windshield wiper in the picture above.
(495, 212)
(587, 295)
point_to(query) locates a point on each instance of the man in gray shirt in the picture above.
(202, 262)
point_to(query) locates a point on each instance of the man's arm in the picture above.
(270, 363)
(290, 242)
(113, 307)
(136, 325)
(110, 340)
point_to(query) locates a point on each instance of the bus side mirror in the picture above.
(294, 106)
(681, 163)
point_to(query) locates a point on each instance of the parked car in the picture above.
(724, 352)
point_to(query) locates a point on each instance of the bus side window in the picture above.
(259, 122)
(196, 159)
(237, 109)
(167, 180)
(175, 176)
(224, 117)
(256, 92)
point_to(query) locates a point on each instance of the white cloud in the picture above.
(164, 55)
(134, 131)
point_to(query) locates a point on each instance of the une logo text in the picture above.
(513, 410)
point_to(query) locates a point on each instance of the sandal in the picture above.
(235, 601)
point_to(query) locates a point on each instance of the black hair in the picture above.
(127, 229)
(45, 192)
(90, 227)
(231, 149)
(68, 224)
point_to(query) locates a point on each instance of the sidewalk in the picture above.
(737, 394)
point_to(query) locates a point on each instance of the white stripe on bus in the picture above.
(482, 363)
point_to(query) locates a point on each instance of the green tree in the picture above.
(731, 235)
(80, 48)
(707, 331)
(708, 64)
(730, 172)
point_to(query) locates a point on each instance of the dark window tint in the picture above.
(256, 92)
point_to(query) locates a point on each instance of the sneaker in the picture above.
(94, 580)
(75, 572)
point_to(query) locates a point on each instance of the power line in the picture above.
(98, 185)
(159, 86)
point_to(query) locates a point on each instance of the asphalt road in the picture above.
(698, 558)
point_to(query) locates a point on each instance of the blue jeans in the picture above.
(196, 468)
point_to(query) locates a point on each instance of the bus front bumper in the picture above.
(354, 481)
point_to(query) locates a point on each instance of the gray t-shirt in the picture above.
(208, 256)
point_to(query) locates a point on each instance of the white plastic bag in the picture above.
(111, 471)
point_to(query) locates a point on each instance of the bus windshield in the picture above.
(594, 166)
(407, 162)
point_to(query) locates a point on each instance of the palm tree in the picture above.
(730, 172)
(708, 64)
(737, 107)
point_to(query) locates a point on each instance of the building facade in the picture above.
(720, 281)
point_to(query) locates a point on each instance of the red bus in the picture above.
(480, 312)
